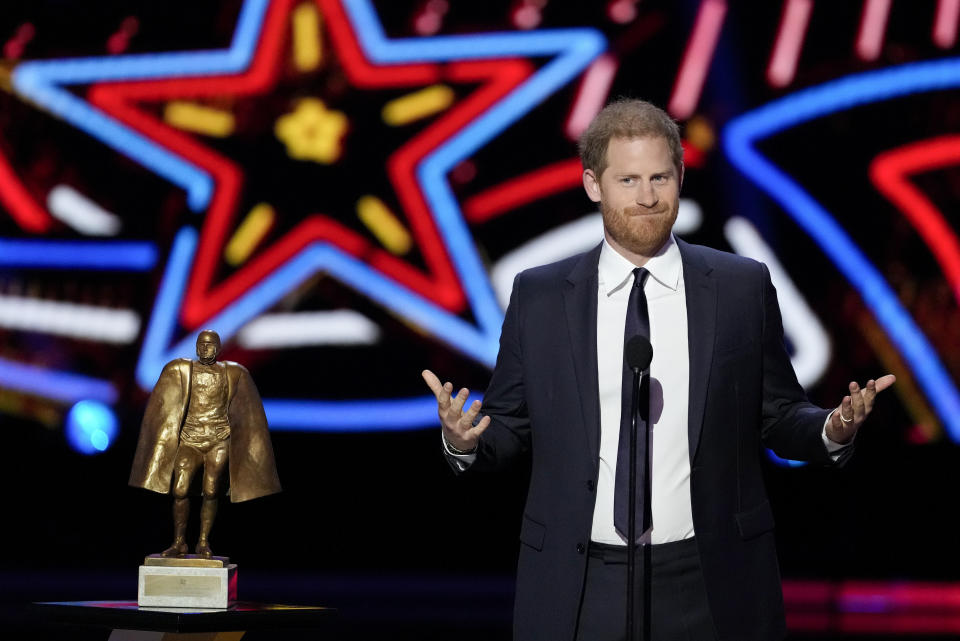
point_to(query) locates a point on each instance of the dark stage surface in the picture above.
(438, 606)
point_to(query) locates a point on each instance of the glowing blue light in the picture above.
(784, 462)
(351, 416)
(90, 427)
(78, 254)
(62, 386)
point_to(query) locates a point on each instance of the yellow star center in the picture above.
(312, 132)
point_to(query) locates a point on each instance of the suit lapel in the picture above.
(701, 295)
(580, 305)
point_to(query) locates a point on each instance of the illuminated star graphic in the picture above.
(740, 138)
(433, 298)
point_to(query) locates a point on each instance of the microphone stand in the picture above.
(632, 510)
(632, 520)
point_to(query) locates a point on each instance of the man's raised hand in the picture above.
(457, 425)
(855, 408)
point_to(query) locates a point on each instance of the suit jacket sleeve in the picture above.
(508, 436)
(791, 425)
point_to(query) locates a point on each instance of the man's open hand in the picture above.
(854, 409)
(457, 425)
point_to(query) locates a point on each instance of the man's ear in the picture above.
(591, 185)
(680, 183)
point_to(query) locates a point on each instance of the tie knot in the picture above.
(639, 276)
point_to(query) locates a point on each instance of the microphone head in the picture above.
(638, 352)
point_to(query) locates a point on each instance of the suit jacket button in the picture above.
(581, 548)
(590, 485)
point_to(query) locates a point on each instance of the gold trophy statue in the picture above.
(202, 415)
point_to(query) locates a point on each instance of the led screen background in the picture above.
(345, 191)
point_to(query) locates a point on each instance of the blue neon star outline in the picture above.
(569, 52)
(740, 137)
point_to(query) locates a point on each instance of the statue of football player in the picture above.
(204, 415)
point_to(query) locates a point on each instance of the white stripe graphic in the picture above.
(81, 213)
(299, 329)
(74, 320)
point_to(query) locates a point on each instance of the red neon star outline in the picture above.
(439, 283)
(24, 210)
(889, 173)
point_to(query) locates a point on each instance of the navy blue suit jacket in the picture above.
(543, 400)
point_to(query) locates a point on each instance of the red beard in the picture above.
(637, 229)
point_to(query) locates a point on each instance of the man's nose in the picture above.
(647, 195)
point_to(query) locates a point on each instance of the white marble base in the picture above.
(185, 587)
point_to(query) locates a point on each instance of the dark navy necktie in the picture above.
(637, 322)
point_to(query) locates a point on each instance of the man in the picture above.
(720, 387)
(204, 415)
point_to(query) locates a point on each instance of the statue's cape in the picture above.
(253, 472)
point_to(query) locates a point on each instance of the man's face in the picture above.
(207, 348)
(638, 192)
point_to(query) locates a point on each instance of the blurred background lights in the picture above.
(784, 462)
(90, 427)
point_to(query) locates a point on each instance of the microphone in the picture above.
(638, 352)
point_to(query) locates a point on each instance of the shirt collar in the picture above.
(614, 271)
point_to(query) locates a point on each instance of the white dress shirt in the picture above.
(669, 391)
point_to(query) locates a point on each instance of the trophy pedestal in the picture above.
(187, 582)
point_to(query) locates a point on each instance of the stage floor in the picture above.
(427, 607)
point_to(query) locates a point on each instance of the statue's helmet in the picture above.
(211, 337)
